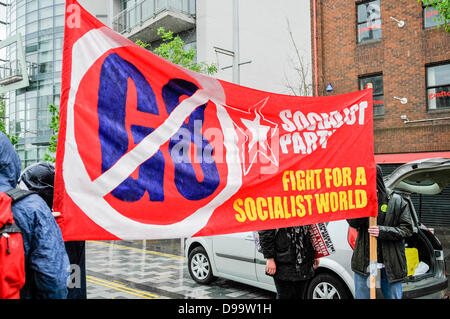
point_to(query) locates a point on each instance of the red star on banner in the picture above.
(254, 134)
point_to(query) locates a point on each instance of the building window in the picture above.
(431, 17)
(438, 86)
(378, 91)
(369, 21)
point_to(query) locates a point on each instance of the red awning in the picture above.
(407, 157)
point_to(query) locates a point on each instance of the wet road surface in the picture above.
(152, 270)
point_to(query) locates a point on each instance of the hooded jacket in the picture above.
(46, 261)
(395, 226)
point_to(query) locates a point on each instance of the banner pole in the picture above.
(372, 248)
(373, 260)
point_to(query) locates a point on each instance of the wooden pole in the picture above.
(372, 249)
(373, 260)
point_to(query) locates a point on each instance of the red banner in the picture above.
(149, 150)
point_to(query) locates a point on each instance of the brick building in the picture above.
(396, 46)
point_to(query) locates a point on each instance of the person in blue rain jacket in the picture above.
(40, 178)
(46, 261)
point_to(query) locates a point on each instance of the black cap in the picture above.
(40, 178)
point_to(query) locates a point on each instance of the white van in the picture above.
(234, 256)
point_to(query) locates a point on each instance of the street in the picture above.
(152, 270)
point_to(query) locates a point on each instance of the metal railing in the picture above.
(134, 16)
(11, 71)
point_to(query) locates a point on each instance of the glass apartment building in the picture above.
(41, 25)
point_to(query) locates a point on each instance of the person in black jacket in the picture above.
(393, 226)
(291, 259)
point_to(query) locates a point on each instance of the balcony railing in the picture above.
(135, 16)
(11, 72)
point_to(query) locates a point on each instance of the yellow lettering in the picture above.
(240, 217)
(285, 181)
(346, 176)
(293, 207)
(269, 203)
(260, 203)
(317, 172)
(300, 175)
(250, 209)
(361, 198)
(328, 177)
(286, 209)
(299, 201)
(292, 177)
(309, 179)
(278, 207)
(351, 205)
(334, 201)
(337, 177)
(360, 176)
(308, 199)
(343, 205)
(323, 202)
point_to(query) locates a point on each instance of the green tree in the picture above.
(12, 138)
(172, 49)
(54, 125)
(443, 9)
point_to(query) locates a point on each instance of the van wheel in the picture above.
(199, 266)
(327, 286)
